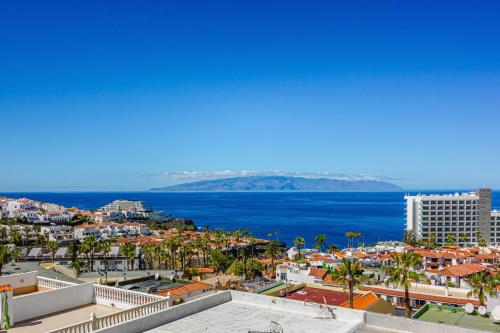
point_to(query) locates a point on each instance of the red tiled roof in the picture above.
(319, 296)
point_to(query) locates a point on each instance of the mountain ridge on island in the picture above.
(281, 183)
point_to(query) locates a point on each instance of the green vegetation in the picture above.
(482, 284)
(349, 273)
(403, 273)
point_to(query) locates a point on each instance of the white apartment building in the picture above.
(460, 214)
(495, 227)
(124, 206)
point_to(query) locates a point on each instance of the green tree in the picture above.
(52, 247)
(219, 261)
(349, 273)
(273, 250)
(403, 273)
(320, 242)
(78, 266)
(451, 239)
(464, 238)
(299, 243)
(482, 285)
(4, 256)
(332, 248)
(89, 246)
(105, 248)
(128, 251)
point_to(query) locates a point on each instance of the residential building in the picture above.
(461, 215)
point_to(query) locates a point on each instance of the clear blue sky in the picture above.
(99, 95)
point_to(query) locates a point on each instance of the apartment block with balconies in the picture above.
(460, 214)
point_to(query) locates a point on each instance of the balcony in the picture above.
(66, 307)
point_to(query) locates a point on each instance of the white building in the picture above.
(109, 230)
(461, 215)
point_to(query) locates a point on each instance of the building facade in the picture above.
(462, 215)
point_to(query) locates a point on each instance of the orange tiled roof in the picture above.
(329, 279)
(462, 269)
(361, 255)
(362, 302)
(427, 297)
(204, 270)
(178, 291)
(340, 255)
(318, 273)
(487, 256)
(5, 287)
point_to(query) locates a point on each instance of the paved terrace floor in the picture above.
(238, 317)
(61, 319)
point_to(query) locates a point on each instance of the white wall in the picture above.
(164, 317)
(19, 280)
(39, 304)
(293, 306)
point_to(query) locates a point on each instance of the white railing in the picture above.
(53, 283)
(122, 298)
(95, 323)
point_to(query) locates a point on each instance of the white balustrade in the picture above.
(121, 297)
(53, 283)
(117, 318)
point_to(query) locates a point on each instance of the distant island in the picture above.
(281, 183)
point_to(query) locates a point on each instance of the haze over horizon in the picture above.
(124, 96)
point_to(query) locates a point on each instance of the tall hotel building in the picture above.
(457, 214)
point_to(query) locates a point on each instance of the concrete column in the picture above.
(484, 218)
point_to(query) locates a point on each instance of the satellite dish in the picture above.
(469, 308)
(482, 310)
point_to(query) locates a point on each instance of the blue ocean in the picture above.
(378, 216)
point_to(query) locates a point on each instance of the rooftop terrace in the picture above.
(456, 317)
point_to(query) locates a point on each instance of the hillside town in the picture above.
(122, 246)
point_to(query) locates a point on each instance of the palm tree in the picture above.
(52, 247)
(349, 235)
(219, 261)
(464, 238)
(4, 256)
(272, 250)
(403, 272)
(349, 273)
(3, 234)
(451, 239)
(482, 285)
(90, 244)
(332, 248)
(237, 238)
(105, 248)
(128, 250)
(15, 253)
(15, 236)
(77, 265)
(320, 242)
(480, 240)
(299, 242)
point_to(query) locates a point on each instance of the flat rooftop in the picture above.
(457, 317)
(61, 319)
(254, 313)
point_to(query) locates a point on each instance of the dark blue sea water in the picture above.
(378, 216)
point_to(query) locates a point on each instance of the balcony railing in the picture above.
(122, 298)
(53, 283)
(95, 323)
